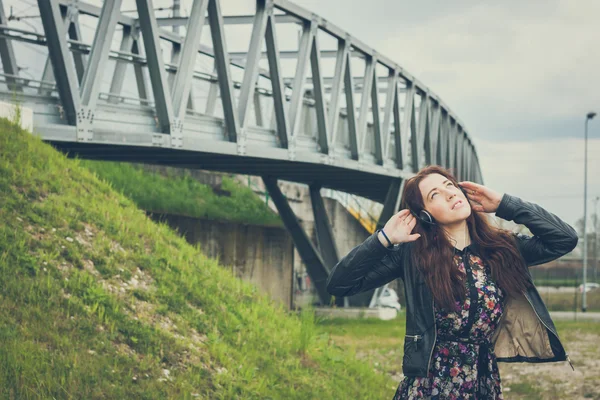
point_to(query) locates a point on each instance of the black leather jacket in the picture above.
(525, 333)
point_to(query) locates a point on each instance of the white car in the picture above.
(589, 286)
(389, 298)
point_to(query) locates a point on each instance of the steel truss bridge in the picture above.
(359, 123)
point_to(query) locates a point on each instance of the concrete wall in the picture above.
(258, 254)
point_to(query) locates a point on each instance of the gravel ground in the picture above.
(557, 380)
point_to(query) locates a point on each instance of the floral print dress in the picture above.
(463, 363)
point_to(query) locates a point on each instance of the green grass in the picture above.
(568, 327)
(365, 327)
(524, 389)
(555, 282)
(100, 302)
(183, 195)
(375, 342)
(571, 301)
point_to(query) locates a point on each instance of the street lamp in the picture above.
(596, 238)
(589, 116)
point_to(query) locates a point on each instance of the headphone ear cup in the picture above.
(425, 216)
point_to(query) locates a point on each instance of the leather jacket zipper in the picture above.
(434, 337)
(549, 329)
(415, 337)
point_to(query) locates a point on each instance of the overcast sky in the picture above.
(520, 75)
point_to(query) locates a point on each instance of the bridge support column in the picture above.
(316, 265)
(325, 240)
(392, 201)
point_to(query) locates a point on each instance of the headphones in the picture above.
(426, 218)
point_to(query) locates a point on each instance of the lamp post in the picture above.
(589, 116)
(596, 238)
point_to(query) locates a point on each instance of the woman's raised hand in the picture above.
(399, 227)
(485, 199)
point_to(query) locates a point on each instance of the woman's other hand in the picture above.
(399, 228)
(483, 199)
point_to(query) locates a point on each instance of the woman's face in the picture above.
(440, 197)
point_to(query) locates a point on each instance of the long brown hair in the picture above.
(433, 252)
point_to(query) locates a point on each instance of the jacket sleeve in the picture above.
(368, 265)
(552, 237)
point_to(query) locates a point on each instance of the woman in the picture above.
(470, 299)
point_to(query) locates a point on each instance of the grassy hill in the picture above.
(183, 195)
(98, 301)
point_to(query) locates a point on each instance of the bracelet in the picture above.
(386, 238)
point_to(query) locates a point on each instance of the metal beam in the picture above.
(432, 141)
(278, 96)
(140, 78)
(376, 120)
(251, 70)
(325, 240)
(353, 137)
(459, 153)
(391, 203)
(92, 77)
(451, 143)
(409, 114)
(414, 139)
(63, 69)
(388, 112)
(445, 138)
(162, 96)
(465, 157)
(357, 81)
(364, 101)
(213, 90)
(320, 106)
(118, 78)
(398, 133)
(258, 112)
(182, 84)
(217, 32)
(227, 20)
(469, 162)
(423, 128)
(287, 54)
(304, 51)
(74, 31)
(336, 89)
(315, 264)
(7, 54)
